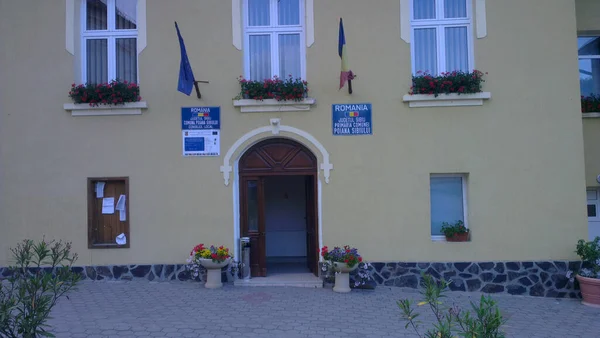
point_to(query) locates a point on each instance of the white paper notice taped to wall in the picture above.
(100, 189)
(121, 239)
(121, 207)
(108, 205)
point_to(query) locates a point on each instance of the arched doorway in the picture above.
(278, 206)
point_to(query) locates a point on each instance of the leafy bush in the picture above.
(275, 88)
(450, 230)
(115, 93)
(41, 275)
(484, 323)
(452, 82)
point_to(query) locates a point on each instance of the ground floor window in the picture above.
(448, 201)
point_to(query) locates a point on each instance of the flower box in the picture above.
(446, 100)
(271, 105)
(83, 109)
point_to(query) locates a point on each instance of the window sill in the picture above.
(271, 105)
(446, 100)
(129, 108)
(590, 115)
(442, 239)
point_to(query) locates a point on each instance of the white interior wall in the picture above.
(285, 210)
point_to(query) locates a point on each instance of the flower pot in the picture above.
(342, 276)
(213, 272)
(464, 237)
(590, 290)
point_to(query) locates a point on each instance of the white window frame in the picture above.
(596, 202)
(111, 34)
(440, 24)
(587, 57)
(274, 30)
(442, 238)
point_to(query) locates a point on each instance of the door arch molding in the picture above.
(275, 129)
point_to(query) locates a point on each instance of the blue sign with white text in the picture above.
(198, 118)
(201, 131)
(351, 119)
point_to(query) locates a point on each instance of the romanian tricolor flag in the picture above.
(342, 52)
(203, 114)
(352, 114)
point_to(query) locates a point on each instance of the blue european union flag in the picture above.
(186, 76)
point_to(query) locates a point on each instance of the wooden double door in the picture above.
(276, 157)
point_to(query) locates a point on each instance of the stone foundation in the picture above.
(540, 278)
(156, 272)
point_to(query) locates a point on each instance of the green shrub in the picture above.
(41, 275)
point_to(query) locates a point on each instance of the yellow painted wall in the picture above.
(588, 12)
(523, 149)
(587, 15)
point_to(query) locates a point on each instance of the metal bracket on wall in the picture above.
(198, 89)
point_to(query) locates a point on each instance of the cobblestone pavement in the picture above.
(187, 309)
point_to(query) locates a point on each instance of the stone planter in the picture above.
(464, 237)
(590, 290)
(342, 276)
(213, 272)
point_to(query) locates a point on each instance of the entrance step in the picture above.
(302, 280)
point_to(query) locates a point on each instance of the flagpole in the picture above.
(349, 86)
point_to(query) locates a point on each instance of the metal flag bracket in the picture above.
(198, 89)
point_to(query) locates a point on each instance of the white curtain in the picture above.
(426, 50)
(457, 46)
(96, 15)
(260, 57)
(289, 55)
(446, 202)
(259, 13)
(125, 14)
(127, 59)
(455, 9)
(289, 12)
(97, 60)
(424, 9)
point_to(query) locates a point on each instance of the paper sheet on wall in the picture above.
(121, 239)
(121, 207)
(108, 205)
(100, 189)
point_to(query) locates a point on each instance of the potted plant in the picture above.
(344, 261)
(213, 259)
(456, 82)
(589, 274)
(113, 93)
(278, 89)
(456, 232)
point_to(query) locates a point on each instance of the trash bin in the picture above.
(245, 261)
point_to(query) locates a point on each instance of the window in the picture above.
(448, 201)
(441, 36)
(589, 65)
(273, 39)
(109, 41)
(592, 203)
(107, 218)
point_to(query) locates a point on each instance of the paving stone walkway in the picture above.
(186, 309)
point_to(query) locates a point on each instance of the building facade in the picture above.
(511, 162)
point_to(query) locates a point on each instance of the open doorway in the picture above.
(285, 224)
(278, 207)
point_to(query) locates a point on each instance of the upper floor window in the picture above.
(442, 38)
(109, 41)
(589, 65)
(273, 38)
